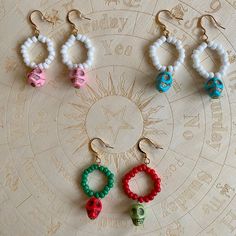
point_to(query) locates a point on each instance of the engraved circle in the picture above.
(118, 120)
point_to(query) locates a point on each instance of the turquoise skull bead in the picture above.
(164, 81)
(137, 214)
(214, 87)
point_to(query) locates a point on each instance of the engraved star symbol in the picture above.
(115, 122)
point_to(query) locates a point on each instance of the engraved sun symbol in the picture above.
(119, 112)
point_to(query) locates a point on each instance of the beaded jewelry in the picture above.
(214, 85)
(36, 77)
(164, 79)
(77, 73)
(94, 204)
(137, 212)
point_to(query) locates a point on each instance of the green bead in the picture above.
(90, 193)
(84, 179)
(86, 188)
(137, 213)
(101, 195)
(96, 195)
(110, 185)
(83, 183)
(105, 192)
(105, 170)
(106, 188)
(101, 168)
(95, 166)
(111, 176)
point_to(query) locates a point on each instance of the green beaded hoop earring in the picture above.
(94, 204)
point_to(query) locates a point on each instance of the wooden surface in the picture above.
(44, 132)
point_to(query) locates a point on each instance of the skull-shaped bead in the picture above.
(93, 207)
(78, 77)
(137, 214)
(36, 77)
(164, 81)
(214, 87)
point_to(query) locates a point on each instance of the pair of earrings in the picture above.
(36, 77)
(213, 85)
(137, 211)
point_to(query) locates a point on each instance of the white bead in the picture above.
(211, 74)
(34, 39)
(48, 61)
(41, 66)
(72, 37)
(204, 45)
(52, 53)
(152, 54)
(163, 38)
(205, 75)
(177, 64)
(78, 37)
(85, 65)
(214, 46)
(218, 75)
(170, 69)
(45, 65)
(169, 39)
(83, 39)
(89, 62)
(210, 44)
(163, 68)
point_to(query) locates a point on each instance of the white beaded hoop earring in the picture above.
(77, 71)
(214, 85)
(165, 77)
(36, 77)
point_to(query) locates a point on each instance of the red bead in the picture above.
(140, 199)
(146, 199)
(151, 173)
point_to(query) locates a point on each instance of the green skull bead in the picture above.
(137, 214)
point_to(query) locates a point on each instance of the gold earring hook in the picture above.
(98, 159)
(43, 18)
(81, 16)
(204, 36)
(146, 159)
(162, 25)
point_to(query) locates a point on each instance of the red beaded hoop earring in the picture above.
(137, 212)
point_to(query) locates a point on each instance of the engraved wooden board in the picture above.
(45, 132)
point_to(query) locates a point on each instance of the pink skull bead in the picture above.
(36, 77)
(78, 77)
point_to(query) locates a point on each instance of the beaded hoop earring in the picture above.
(77, 71)
(36, 77)
(94, 204)
(137, 212)
(214, 85)
(165, 77)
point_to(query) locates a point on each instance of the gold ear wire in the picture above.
(204, 36)
(43, 18)
(162, 25)
(81, 16)
(98, 159)
(146, 159)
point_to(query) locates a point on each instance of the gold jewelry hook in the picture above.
(98, 159)
(81, 16)
(204, 36)
(43, 18)
(146, 159)
(162, 25)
